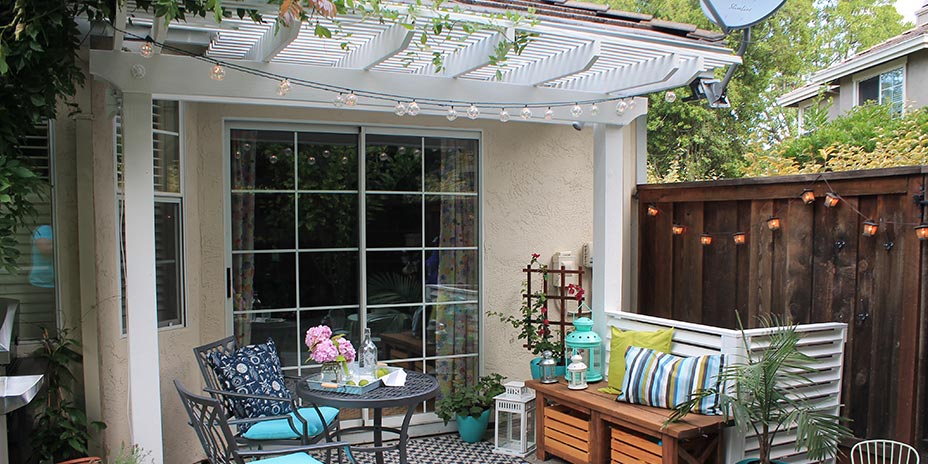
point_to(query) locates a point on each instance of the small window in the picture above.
(885, 89)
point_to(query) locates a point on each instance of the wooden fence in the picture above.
(817, 267)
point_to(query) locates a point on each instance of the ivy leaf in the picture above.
(322, 31)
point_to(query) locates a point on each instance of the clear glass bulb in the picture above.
(344, 160)
(549, 114)
(504, 115)
(473, 112)
(284, 87)
(351, 99)
(594, 110)
(576, 111)
(399, 109)
(146, 50)
(384, 156)
(412, 109)
(217, 73)
(526, 113)
(452, 114)
(620, 107)
(326, 153)
(631, 103)
(339, 101)
(312, 160)
(670, 96)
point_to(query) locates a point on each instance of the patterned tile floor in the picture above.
(450, 449)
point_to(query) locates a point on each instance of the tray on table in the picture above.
(314, 383)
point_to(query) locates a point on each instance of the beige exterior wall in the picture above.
(537, 197)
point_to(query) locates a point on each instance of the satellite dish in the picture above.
(739, 14)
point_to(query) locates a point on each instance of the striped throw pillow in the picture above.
(664, 380)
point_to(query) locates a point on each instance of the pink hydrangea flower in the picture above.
(325, 351)
(316, 335)
(346, 349)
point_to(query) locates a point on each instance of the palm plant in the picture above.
(763, 396)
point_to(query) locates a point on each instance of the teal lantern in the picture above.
(587, 344)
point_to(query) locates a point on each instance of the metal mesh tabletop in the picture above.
(419, 387)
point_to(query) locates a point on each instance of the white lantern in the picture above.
(515, 420)
(576, 373)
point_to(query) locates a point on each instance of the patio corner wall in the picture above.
(816, 268)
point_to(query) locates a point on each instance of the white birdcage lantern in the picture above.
(515, 420)
(576, 373)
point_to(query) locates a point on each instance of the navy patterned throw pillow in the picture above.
(253, 370)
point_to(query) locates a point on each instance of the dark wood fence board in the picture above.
(906, 245)
(687, 286)
(797, 261)
(720, 265)
(860, 354)
(759, 274)
(744, 263)
(656, 261)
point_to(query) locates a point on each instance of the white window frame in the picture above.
(879, 70)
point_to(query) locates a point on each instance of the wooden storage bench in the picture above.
(586, 426)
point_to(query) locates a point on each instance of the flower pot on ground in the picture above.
(758, 397)
(470, 406)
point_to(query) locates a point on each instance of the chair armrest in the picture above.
(301, 449)
(249, 395)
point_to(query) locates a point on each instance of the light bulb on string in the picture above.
(678, 229)
(413, 108)
(452, 114)
(576, 111)
(705, 239)
(549, 114)
(653, 211)
(739, 238)
(400, 109)
(504, 115)
(870, 228)
(670, 96)
(620, 107)
(808, 196)
(218, 73)
(339, 101)
(594, 109)
(146, 50)
(351, 99)
(773, 223)
(284, 87)
(526, 113)
(631, 103)
(473, 112)
(921, 231)
(831, 199)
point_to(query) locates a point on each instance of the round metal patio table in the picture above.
(419, 387)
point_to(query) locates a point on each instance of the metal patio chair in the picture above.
(208, 418)
(307, 424)
(883, 452)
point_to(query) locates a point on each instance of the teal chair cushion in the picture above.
(295, 458)
(279, 429)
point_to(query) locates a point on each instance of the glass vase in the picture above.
(332, 372)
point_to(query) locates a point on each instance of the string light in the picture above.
(218, 73)
(400, 109)
(452, 114)
(678, 229)
(620, 107)
(526, 113)
(870, 228)
(808, 196)
(831, 199)
(739, 238)
(594, 109)
(773, 223)
(473, 112)
(351, 99)
(705, 239)
(549, 114)
(653, 211)
(284, 87)
(504, 115)
(339, 101)
(146, 50)
(412, 108)
(921, 231)
(670, 96)
(576, 111)
(631, 103)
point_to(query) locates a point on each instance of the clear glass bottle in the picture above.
(367, 361)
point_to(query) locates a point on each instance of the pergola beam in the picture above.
(119, 25)
(554, 67)
(159, 33)
(274, 41)
(687, 70)
(388, 43)
(469, 58)
(628, 77)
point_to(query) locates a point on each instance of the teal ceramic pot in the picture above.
(755, 461)
(471, 429)
(559, 371)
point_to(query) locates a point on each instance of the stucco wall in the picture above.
(916, 76)
(538, 195)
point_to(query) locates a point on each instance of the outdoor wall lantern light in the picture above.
(652, 210)
(831, 199)
(739, 238)
(705, 239)
(588, 345)
(773, 223)
(576, 373)
(921, 232)
(870, 228)
(515, 420)
(548, 368)
(678, 229)
(808, 196)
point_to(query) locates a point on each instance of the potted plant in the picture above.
(533, 326)
(759, 397)
(470, 406)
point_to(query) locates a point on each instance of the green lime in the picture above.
(363, 382)
(351, 382)
(382, 372)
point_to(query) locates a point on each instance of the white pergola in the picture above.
(573, 58)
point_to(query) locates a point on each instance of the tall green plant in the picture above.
(760, 397)
(61, 428)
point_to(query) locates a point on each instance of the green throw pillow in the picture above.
(658, 341)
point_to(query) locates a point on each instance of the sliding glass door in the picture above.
(357, 228)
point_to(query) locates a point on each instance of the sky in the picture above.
(907, 8)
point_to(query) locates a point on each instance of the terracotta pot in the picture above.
(90, 460)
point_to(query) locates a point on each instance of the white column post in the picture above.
(609, 210)
(141, 319)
